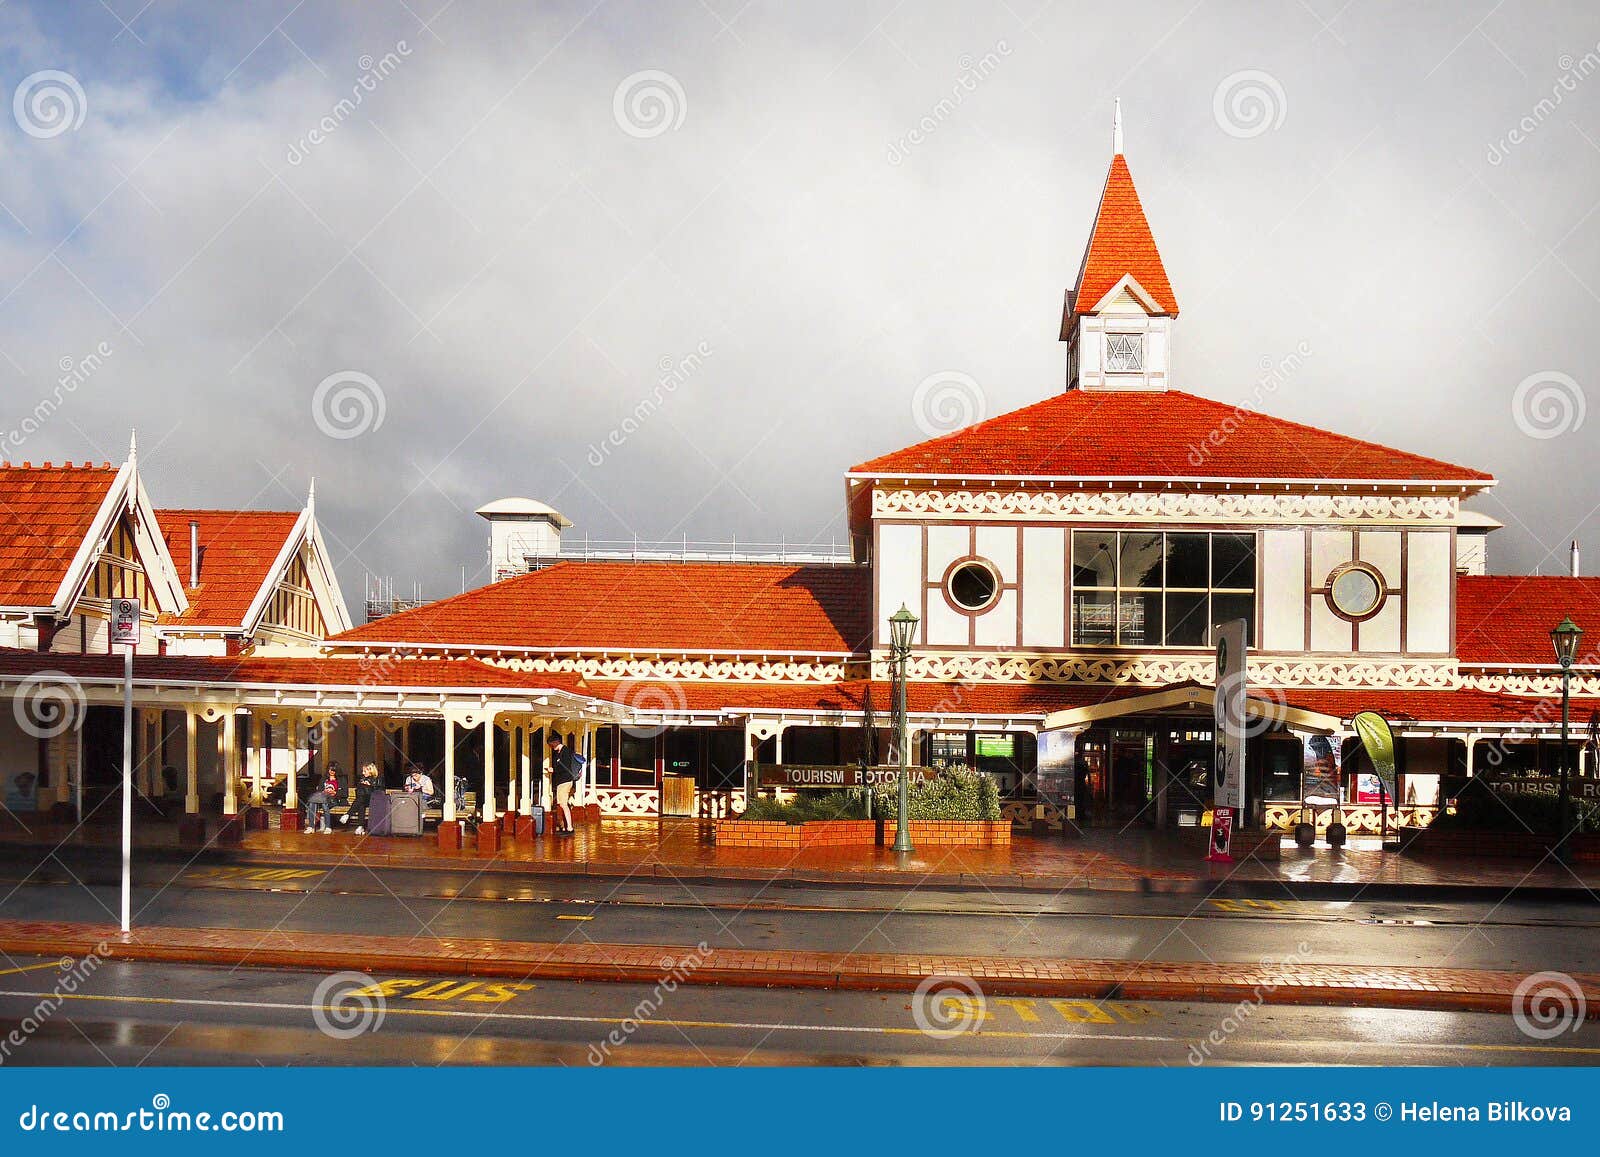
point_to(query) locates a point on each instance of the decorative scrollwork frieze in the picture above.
(699, 670)
(1162, 505)
(1160, 671)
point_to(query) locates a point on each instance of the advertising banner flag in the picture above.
(1378, 740)
(1228, 714)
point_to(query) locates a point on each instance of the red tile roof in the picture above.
(308, 672)
(1121, 244)
(1460, 706)
(711, 606)
(1506, 619)
(45, 514)
(1162, 434)
(237, 548)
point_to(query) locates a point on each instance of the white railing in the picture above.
(689, 550)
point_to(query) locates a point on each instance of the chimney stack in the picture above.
(194, 553)
(1575, 571)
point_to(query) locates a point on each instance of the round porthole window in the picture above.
(1356, 591)
(972, 586)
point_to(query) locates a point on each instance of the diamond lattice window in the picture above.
(1124, 353)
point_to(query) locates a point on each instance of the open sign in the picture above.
(125, 621)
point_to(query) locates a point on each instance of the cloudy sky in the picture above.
(434, 253)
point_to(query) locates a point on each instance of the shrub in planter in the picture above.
(850, 804)
(956, 793)
(1479, 808)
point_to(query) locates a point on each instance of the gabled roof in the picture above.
(648, 606)
(1505, 620)
(1121, 245)
(45, 514)
(1105, 435)
(238, 549)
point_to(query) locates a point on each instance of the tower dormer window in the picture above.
(1124, 353)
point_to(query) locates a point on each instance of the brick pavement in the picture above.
(1444, 989)
(617, 847)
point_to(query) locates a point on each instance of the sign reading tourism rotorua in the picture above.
(835, 775)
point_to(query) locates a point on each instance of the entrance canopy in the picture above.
(1196, 698)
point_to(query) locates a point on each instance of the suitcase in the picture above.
(405, 814)
(380, 813)
(536, 814)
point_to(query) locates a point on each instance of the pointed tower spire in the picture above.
(133, 446)
(1119, 311)
(311, 497)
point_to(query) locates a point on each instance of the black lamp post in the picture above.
(1565, 637)
(902, 626)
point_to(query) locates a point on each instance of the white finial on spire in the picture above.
(1116, 127)
(311, 497)
(133, 445)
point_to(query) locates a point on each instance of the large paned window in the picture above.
(1153, 588)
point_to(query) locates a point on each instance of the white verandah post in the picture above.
(486, 810)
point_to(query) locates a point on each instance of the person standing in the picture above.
(566, 770)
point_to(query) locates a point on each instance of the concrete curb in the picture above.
(1434, 989)
(1232, 887)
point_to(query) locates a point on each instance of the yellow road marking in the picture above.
(887, 1030)
(1246, 906)
(30, 968)
(574, 917)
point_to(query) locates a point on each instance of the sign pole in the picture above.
(127, 788)
(125, 624)
(1229, 704)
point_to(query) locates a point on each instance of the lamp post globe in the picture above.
(902, 628)
(1565, 637)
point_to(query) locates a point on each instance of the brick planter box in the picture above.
(860, 833)
(1492, 845)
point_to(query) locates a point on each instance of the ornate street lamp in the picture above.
(902, 626)
(1565, 638)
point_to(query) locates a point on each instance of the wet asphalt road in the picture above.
(1519, 935)
(158, 1014)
